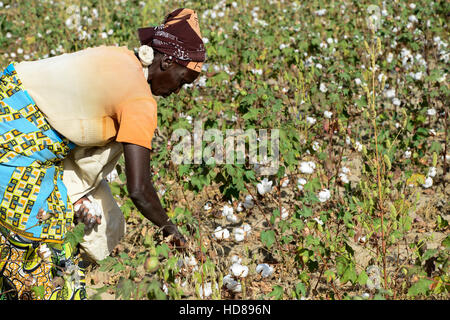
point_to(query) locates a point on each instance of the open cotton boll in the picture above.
(221, 234)
(264, 186)
(227, 211)
(247, 228)
(428, 182)
(232, 284)
(205, 290)
(432, 172)
(328, 114)
(300, 183)
(324, 195)
(239, 270)
(239, 207)
(284, 213)
(307, 167)
(236, 259)
(113, 175)
(343, 178)
(264, 269)
(190, 261)
(232, 218)
(207, 206)
(239, 234)
(248, 203)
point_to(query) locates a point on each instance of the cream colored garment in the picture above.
(93, 96)
(85, 170)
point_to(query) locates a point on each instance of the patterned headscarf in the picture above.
(179, 36)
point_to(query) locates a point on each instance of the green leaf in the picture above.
(446, 242)
(268, 238)
(300, 289)
(420, 287)
(75, 236)
(277, 292)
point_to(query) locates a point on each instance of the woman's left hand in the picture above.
(84, 212)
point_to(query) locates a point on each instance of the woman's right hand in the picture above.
(85, 213)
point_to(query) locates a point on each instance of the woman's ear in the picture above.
(166, 62)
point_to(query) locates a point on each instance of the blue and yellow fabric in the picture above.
(31, 155)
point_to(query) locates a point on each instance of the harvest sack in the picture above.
(85, 170)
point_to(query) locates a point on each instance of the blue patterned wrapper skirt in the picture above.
(35, 210)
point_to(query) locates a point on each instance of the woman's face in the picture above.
(170, 77)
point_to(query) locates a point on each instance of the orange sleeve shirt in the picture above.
(93, 96)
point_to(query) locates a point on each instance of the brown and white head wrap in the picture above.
(179, 37)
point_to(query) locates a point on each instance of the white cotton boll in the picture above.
(432, 172)
(221, 234)
(239, 270)
(396, 101)
(232, 284)
(358, 81)
(358, 146)
(264, 186)
(226, 211)
(247, 228)
(240, 207)
(324, 195)
(413, 18)
(232, 218)
(284, 213)
(390, 94)
(317, 219)
(345, 170)
(407, 154)
(310, 120)
(248, 203)
(264, 269)
(190, 261)
(343, 177)
(285, 182)
(328, 114)
(323, 88)
(207, 206)
(235, 259)
(205, 290)
(428, 182)
(417, 75)
(307, 167)
(321, 12)
(389, 57)
(113, 175)
(239, 234)
(431, 112)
